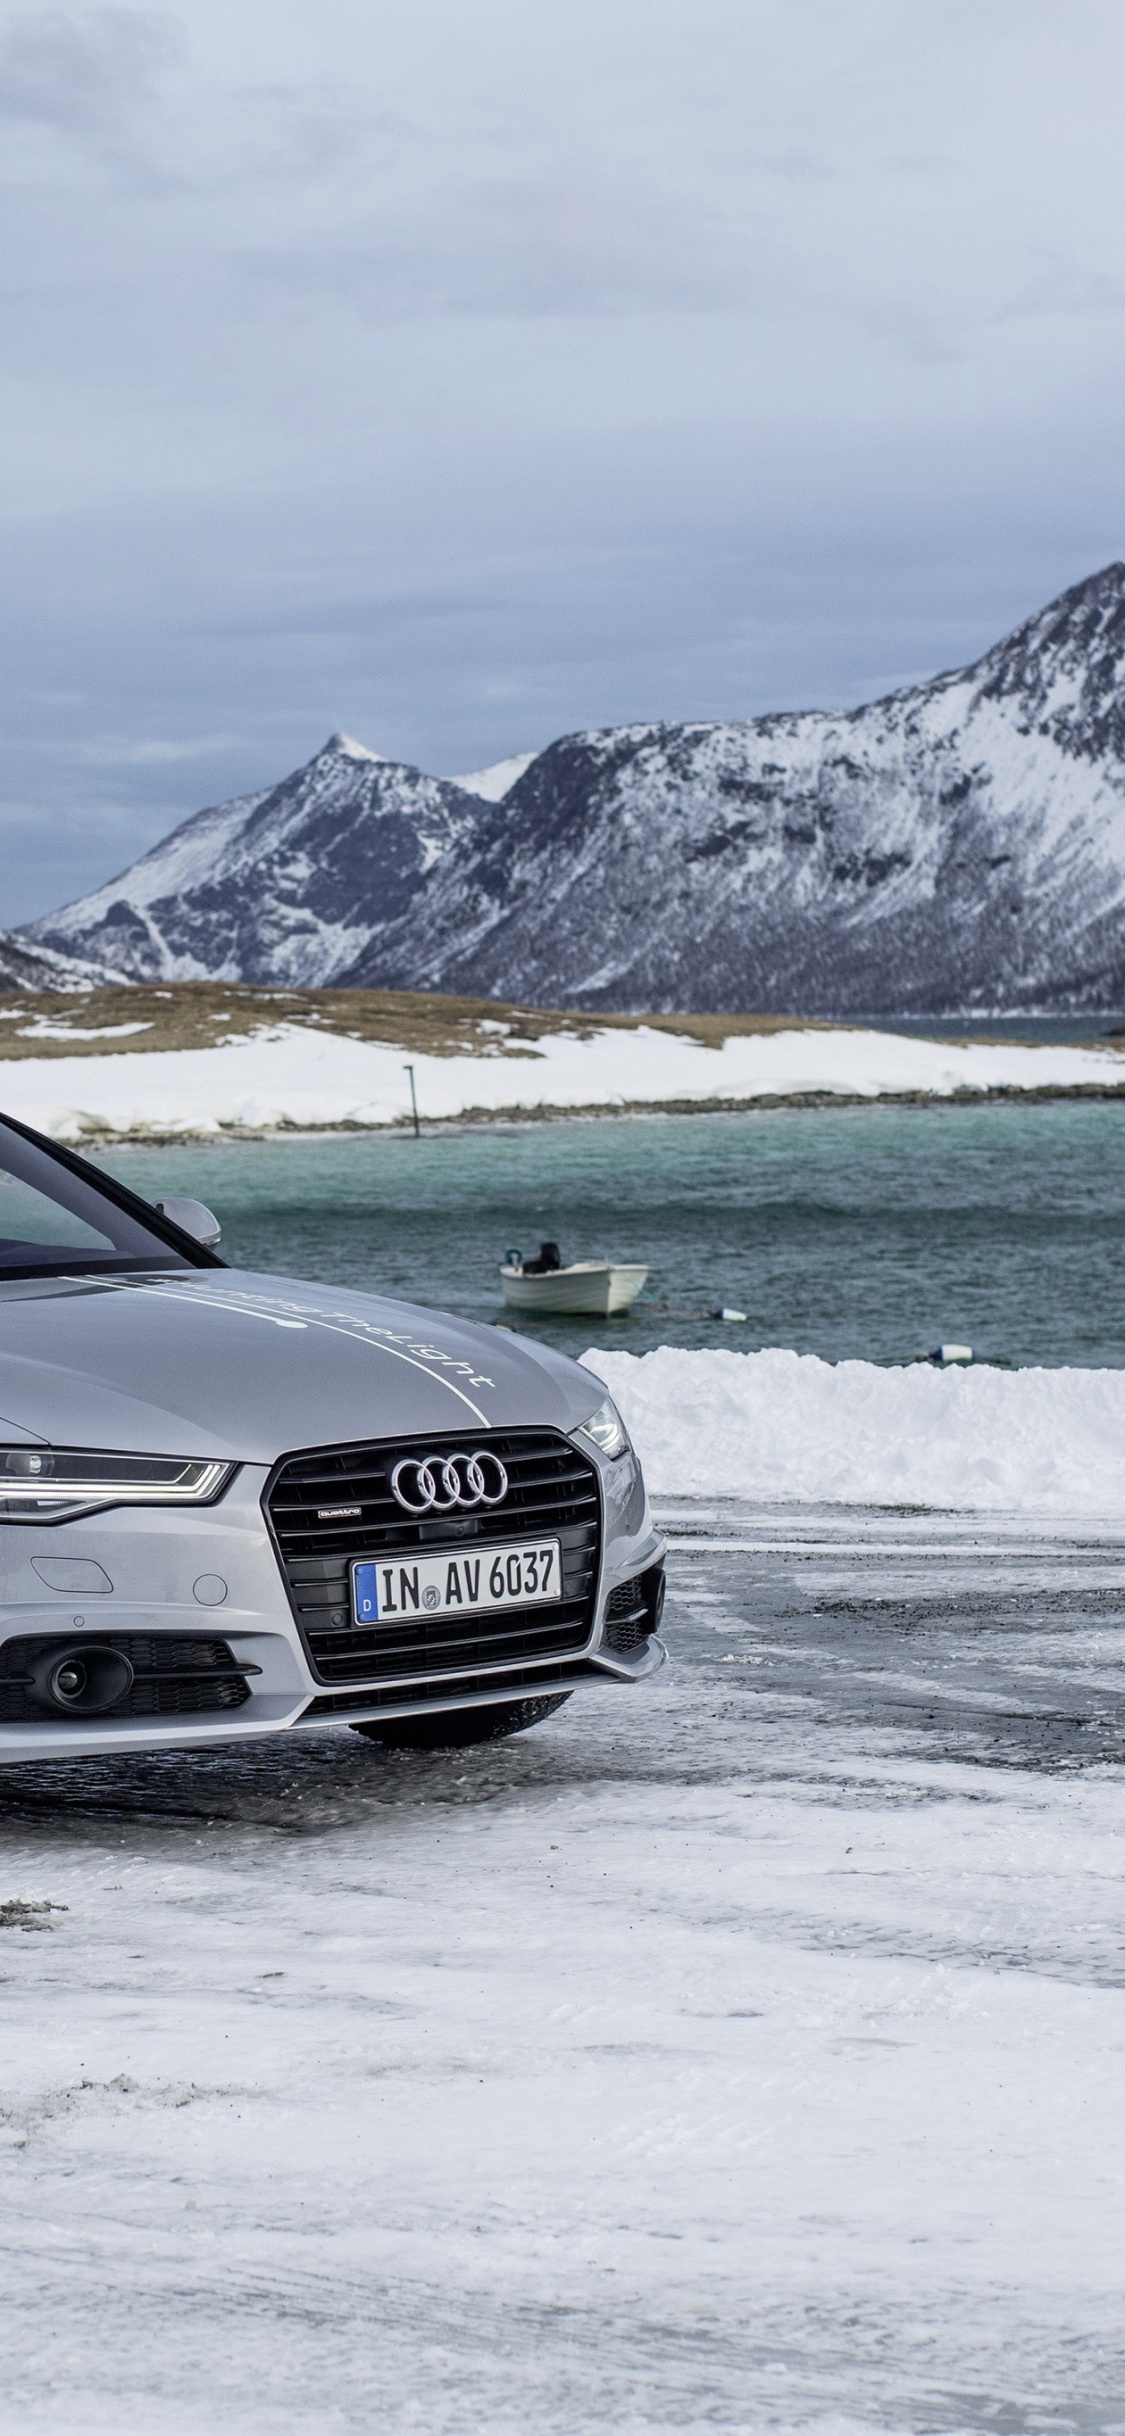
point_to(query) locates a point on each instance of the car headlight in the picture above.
(42, 1484)
(607, 1430)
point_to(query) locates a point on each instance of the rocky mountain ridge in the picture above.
(956, 847)
(24, 966)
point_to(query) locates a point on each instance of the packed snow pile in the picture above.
(299, 1077)
(783, 1425)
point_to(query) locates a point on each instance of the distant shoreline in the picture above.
(498, 1120)
(208, 1062)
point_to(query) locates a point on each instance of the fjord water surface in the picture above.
(861, 1232)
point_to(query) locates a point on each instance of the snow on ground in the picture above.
(297, 1076)
(739, 2054)
(785, 1425)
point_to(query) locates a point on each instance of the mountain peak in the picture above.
(1107, 579)
(350, 749)
(1065, 667)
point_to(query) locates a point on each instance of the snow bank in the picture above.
(785, 1425)
(296, 1076)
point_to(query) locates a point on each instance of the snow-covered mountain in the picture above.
(289, 885)
(499, 778)
(25, 967)
(959, 845)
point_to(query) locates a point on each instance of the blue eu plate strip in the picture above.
(366, 1594)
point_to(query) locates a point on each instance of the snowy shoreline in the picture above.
(294, 1078)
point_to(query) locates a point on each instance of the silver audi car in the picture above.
(232, 1503)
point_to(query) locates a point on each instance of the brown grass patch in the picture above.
(202, 1014)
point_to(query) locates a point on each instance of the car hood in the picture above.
(230, 1363)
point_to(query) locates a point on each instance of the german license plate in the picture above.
(527, 1575)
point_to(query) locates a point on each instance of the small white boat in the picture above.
(597, 1286)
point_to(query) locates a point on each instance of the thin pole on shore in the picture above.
(413, 1102)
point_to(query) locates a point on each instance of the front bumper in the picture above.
(213, 1577)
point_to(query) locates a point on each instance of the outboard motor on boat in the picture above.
(550, 1258)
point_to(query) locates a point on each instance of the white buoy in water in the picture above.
(947, 1356)
(725, 1313)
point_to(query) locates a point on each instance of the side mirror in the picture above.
(193, 1217)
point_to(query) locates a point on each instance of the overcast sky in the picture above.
(459, 372)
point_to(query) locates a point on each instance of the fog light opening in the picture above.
(84, 1682)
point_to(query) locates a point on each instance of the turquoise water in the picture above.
(868, 1232)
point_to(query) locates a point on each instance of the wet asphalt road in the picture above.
(791, 1632)
(984, 1641)
(742, 2052)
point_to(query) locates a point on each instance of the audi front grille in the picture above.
(332, 1505)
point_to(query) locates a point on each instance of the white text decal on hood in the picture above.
(284, 1312)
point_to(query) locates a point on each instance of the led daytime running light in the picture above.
(34, 1479)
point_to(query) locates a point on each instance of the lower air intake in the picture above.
(162, 1675)
(633, 1612)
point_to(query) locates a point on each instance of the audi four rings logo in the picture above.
(438, 1484)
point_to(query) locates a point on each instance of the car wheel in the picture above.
(459, 1726)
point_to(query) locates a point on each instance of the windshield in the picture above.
(54, 1220)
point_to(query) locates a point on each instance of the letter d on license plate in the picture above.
(389, 1588)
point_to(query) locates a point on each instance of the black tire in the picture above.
(451, 1731)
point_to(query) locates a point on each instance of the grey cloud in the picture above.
(517, 251)
(319, 133)
(148, 752)
(81, 73)
(1058, 283)
(457, 375)
(472, 233)
(803, 168)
